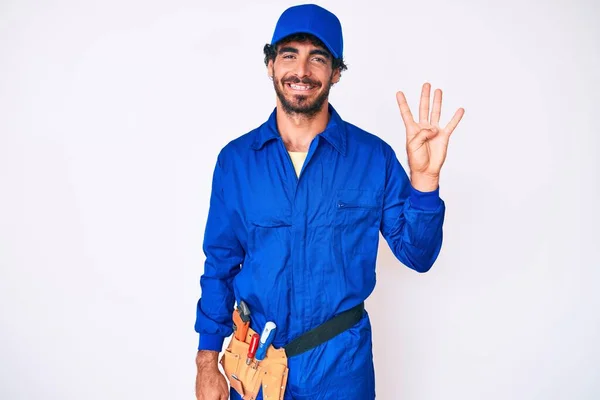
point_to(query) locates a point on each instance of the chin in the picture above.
(303, 100)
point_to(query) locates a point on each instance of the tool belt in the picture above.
(272, 372)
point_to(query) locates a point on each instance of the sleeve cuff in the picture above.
(211, 342)
(425, 200)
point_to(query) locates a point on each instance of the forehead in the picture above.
(301, 46)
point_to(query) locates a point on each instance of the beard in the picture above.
(300, 104)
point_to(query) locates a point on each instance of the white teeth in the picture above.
(297, 87)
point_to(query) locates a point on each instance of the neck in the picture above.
(297, 130)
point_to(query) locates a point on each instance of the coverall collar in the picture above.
(334, 133)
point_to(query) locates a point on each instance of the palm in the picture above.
(426, 141)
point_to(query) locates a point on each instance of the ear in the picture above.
(335, 78)
(270, 71)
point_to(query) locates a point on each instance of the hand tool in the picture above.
(268, 334)
(238, 326)
(252, 349)
(244, 311)
(241, 320)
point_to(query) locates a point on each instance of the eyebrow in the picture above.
(290, 49)
(320, 52)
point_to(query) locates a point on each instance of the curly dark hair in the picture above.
(270, 51)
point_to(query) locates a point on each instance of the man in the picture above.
(296, 208)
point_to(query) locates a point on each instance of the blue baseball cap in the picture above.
(313, 19)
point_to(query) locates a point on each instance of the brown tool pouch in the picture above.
(271, 373)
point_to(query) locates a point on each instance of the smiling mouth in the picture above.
(298, 87)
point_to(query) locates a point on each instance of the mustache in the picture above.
(305, 81)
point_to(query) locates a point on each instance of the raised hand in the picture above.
(426, 142)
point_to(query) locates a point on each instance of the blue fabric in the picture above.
(313, 19)
(300, 250)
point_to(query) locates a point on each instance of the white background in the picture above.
(111, 117)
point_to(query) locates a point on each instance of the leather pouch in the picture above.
(271, 373)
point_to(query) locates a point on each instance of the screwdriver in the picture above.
(252, 348)
(268, 334)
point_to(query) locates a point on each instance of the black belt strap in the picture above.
(326, 331)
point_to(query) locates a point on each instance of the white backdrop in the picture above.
(111, 117)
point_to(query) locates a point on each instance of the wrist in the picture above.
(424, 182)
(207, 358)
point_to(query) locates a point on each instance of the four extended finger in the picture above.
(437, 107)
(404, 110)
(424, 105)
(454, 121)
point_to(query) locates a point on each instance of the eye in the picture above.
(287, 56)
(321, 60)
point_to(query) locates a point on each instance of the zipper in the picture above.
(341, 204)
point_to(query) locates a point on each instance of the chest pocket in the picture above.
(356, 220)
(269, 237)
(355, 206)
(357, 198)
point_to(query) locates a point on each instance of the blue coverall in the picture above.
(299, 250)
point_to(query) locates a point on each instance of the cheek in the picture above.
(324, 79)
(285, 73)
(278, 76)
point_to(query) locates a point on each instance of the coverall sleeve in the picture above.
(224, 254)
(412, 220)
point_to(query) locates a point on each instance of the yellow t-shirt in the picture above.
(298, 158)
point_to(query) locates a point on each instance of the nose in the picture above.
(302, 68)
